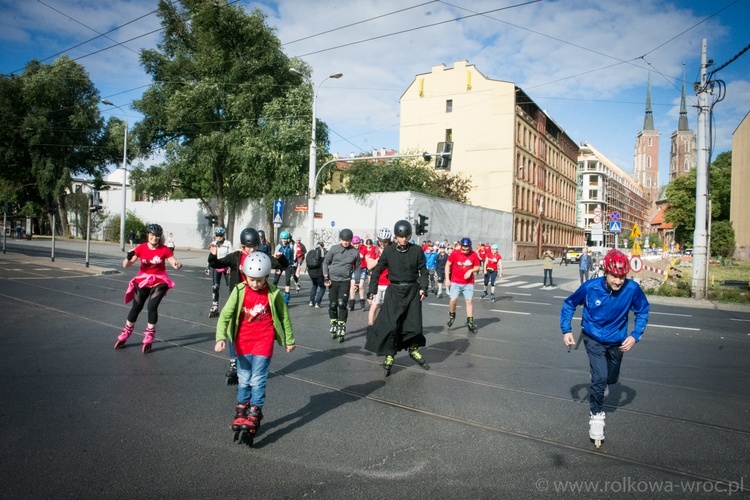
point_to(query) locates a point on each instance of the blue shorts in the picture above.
(467, 290)
(359, 275)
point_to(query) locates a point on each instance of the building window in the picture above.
(649, 141)
(449, 106)
(449, 135)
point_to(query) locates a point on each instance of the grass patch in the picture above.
(718, 273)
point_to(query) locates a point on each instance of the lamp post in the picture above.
(312, 184)
(124, 174)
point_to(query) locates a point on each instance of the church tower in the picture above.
(682, 153)
(646, 160)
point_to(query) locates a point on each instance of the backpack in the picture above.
(313, 259)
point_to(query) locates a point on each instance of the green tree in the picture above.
(681, 198)
(224, 107)
(62, 127)
(17, 183)
(405, 174)
(722, 238)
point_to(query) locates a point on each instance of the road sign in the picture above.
(300, 207)
(615, 217)
(635, 232)
(636, 264)
(333, 224)
(615, 227)
(597, 211)
(597, 219)
(278, 212)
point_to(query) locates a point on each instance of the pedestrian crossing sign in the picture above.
(615, 226)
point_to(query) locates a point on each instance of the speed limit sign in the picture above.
(636, 264)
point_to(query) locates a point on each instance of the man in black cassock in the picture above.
(399, 324)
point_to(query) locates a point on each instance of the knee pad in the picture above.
(341, 304)
(332, 308)
(214, 288)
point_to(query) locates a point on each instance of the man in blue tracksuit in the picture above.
(607, 302)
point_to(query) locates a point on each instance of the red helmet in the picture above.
(616, 262)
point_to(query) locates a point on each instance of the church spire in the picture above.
(682, 124)
(648, 121)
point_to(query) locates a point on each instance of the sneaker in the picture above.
(416, 356)
(606, 391)
(311, 304)
(351, 305)
(298, 288)
(317, 306)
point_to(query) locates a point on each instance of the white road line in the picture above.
(509, 312)
(673, 327)
(537, 303)
(519, 293)
(671, 314)
(735, 319)
(515, 283)
(532, 285)
(559, 297)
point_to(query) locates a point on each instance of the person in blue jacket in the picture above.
(607, 302)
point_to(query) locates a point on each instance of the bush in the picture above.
(729, 294)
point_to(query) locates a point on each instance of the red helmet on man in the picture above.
(616, 263)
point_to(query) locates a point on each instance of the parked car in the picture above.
(688, 251)
(573, 254)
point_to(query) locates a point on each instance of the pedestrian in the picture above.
(232, 262)
(359, 277)
(223, 248)
(399, 325)
(564, 258)
(493, 268)
(442, 258)
(459, 277)
(430, 256)
(150, 284)
(300, 251)
(585, 265)
(254, 316)
(264, 246)
(547, 260)
(170, 242)
(384, 239)
(607, 303)
(339, 265)
(314, 263)
(131, 238)
(285, 249)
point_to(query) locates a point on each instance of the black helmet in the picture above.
(249, 237)
(346, 235)
(402, 228)
(155, 229)
(261, 233)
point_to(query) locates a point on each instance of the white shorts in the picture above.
(380, 296)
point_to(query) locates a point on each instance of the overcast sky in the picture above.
(585, 62)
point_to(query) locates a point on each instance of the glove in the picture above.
(130, 254)
(370, 296)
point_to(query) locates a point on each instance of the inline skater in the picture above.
(399, 324)
(285, 249)
(459, 278)
(339, 264)
(384, 239)
(254, 316)
(607, 304)
(150, 284)
(493, 268)
(223, 248)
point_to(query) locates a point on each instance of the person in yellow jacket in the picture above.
(254, 316)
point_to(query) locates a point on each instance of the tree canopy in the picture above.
(233, 121)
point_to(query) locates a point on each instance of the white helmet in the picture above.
(385, 234)
(257, 265)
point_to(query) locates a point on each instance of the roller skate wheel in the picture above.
(119, 344)
(598, 443)
(147, 348)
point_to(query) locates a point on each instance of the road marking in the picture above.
(519, 293)
(671, 314)
(509, 312)
(735, 319)
(532, 285)
(537, 303)
(515, 283)
(676, 327)
(559, 297)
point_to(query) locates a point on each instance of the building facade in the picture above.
(646, 158)
(518, 158)
(740, 202)
(604, 188)
(682, 154)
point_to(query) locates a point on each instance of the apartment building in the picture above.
(520, 161)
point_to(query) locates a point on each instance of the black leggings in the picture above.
(338, 296)
(154, 296)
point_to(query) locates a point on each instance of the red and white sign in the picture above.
(636, 264)
(597, 219)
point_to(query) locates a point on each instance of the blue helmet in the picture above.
(220, 231)
(465, 242)
(285, 235)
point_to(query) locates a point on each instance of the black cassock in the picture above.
(399, 322)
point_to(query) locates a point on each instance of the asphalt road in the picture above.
(499, 414)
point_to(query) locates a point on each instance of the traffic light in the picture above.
(426, 156)
(443, 155)
(212, 219)
(95, 202)
(422, 225)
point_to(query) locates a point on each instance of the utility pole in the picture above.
(700, 237)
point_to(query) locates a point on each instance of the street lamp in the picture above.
(313, 156)
(124, 174)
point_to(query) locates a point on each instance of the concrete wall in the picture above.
(740, 202)
(447, 219)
